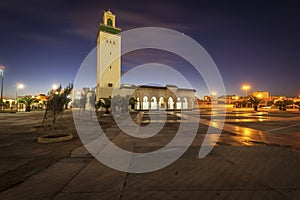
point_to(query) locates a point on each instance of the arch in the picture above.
(153, 104)
(145, 103)
(178, 104)
(185, 104)
(162, 104)
(170, 103)
(138, 103)
(191, 103)
(109, 22)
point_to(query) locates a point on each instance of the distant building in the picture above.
(260, 94)
(207, 98)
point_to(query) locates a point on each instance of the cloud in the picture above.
(42, 38)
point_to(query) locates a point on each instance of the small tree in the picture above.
(244, 103)
(298, 104)
(27, 101)
(56, 103)
(282, 104)
(279, 104)
(269, 103)
(104, 103)
(124, 103)
(121, 103)
(255, 102)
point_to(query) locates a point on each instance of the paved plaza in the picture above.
(257, 156)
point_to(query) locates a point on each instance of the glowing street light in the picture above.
(214, 93)
(54, 86)
(259, 95)
(2, 77)
(246, 88)
(18, 86)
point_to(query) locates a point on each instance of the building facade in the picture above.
(146, 97)
(169, 97)
(108, 56)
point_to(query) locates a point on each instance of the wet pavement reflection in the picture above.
(245, 128)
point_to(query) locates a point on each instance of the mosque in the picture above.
(147, 97)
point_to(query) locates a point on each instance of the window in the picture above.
(110, 84)
(109, 22)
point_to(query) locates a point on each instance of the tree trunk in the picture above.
(255, 108)
(27, 108)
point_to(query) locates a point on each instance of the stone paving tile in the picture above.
(291, 193)
(48, 182)
(96, 177)
(80, 152)
(275, 166)
(88, 196)
(12, 163)
(190, 173)
(209, 194)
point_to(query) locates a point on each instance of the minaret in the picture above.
(108, 56)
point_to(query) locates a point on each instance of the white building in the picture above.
(109, 73)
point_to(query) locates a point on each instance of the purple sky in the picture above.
(255, 42)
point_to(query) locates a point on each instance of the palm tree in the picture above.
(254, 101)
(27, 101)
(104, 103)
(282, 104)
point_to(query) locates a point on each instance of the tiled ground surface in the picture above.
(242, 165)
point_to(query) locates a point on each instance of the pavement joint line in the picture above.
(251, 175)
(63, 187)
(275, 129)
(124, 185)
(27, 176)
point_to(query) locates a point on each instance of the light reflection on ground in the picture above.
(248, 128)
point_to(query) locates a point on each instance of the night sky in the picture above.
(254, 42)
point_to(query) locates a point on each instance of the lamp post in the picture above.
(2, 77)
(246, 88)
(19, 86)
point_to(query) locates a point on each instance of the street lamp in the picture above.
(246, 88)
(54, 86)
(2, 77)
(19, 86)
(214, 95)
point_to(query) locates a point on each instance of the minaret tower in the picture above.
(108, 56)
